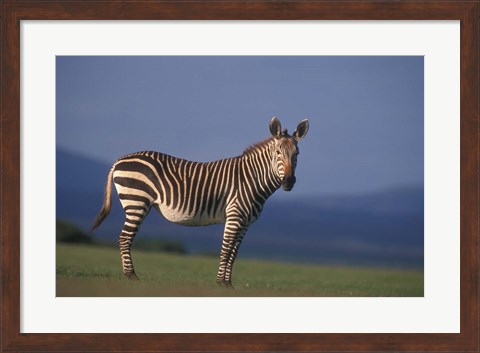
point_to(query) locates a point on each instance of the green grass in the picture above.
(93, 271)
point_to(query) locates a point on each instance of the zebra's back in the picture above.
(184, 192)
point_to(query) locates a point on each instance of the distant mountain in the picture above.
(379, 229)
(75, 172)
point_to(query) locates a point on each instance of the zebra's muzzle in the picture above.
(288, 182)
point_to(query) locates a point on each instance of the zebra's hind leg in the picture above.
(125, 242)
(133, 221)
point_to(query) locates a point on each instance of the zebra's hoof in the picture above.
(132, 276)
(223, 283)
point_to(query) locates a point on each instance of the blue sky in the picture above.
(365, 113)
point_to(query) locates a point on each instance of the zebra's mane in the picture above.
(256, 146)
(259, 145)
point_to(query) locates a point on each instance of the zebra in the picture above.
(229, 191)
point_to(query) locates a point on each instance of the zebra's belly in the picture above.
(189, 219)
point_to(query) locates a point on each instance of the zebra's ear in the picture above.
(276, 128)
(301, 130)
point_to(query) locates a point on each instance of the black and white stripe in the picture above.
(230, 191)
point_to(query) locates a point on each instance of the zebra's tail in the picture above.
(107, 202)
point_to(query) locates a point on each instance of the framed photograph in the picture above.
(370, 242)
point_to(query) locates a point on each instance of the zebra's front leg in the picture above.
(231, 260)
(232, 239)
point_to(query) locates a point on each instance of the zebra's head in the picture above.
(286, 151)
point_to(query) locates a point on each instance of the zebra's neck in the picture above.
(256, 162)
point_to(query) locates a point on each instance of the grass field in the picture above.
(93, 271)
